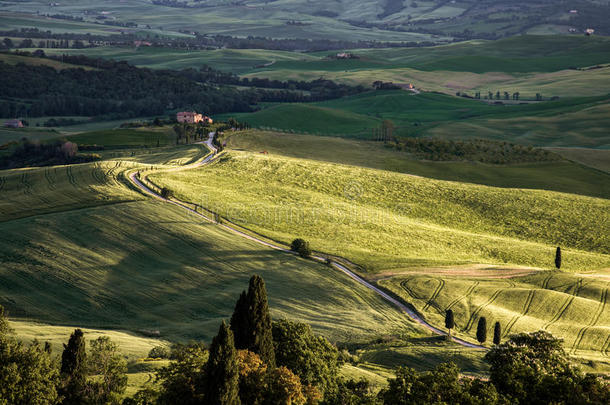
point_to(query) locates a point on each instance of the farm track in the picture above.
(399, 305)
(565, 305)
(435, 294)
(598, 313)
(477, 311)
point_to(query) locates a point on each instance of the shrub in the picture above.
(301, 247)
(166, 193)
(159, 352)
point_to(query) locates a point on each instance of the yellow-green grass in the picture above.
(570, 306)
(125, 138)
(386, 220)
(35, 191)
(563, 83)
(131, 345)
(556, 176)
(78, 252)
(596, 158)
(587, 127)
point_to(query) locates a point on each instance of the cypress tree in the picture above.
(239, 322)
(497, 333)
(221, 370)
(73, 369)
(558, 258)
(260, 336)
(482, 330)
(449, 322)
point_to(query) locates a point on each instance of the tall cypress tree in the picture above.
(222, 372)
(449, 321)
(260, 336)
(240, 322)
(558, 258)
(497, 333)
(482, 330)
(73, 369)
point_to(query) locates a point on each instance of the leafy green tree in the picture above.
(221, 370)
(301, 247)
(482, 330)
(449, 321)
(159, 352)
(313, 358)
(252, 377)
(183, 381)
(533, 368)
(110, 370)
(497, 333)
(284, 388)
(558, 258)
(28, 374)
(74, 369)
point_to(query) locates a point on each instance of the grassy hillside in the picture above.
(124, 138)
(570, 306)
(79, 252)
(385, 220)
(570, 122)
(563, 176)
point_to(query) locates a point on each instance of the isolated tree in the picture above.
(558, 258)
(301, 247)
(74, 369)
(482, 330)
(222, 372)
(497, 333)
(449, 321)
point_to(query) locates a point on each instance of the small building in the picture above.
(589, 31)
(573, 11)
(191, 117)
(13, 124)
(410, 86)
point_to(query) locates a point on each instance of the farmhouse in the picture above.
(589, 31)
(13, 124)
(191, 117)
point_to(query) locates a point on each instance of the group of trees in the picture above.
(474, 150)
(31, 374)
(119, 90)
(27, 154)
(481, 328)
(256, 361)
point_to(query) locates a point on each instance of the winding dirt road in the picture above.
(133, 177)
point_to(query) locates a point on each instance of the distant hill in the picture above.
(354, 20)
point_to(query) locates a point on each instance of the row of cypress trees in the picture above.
(481, 328)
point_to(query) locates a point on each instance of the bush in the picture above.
(166, 193)
(159, 352)
(301, 247)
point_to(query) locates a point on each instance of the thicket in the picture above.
(476, 150)
(28, 154)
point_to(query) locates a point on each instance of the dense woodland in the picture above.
(253, 360)
(119, 90)
(29, 154)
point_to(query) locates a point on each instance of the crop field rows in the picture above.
(558, 302)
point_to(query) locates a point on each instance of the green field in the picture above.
(577, 122)
(125, 138)
(79, 248)
(570, 306)
(384, 220)
(567, 177)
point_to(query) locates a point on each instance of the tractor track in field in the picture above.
(598, 313)
(135, 180)
(435, 294)
(51, 179)
(526, 307)
(480, 308)
(466, 295)
(565, 305)
(71, 178)
(2, 183)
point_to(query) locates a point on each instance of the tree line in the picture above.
(29, 154)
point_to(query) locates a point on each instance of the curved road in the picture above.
(409, 312)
